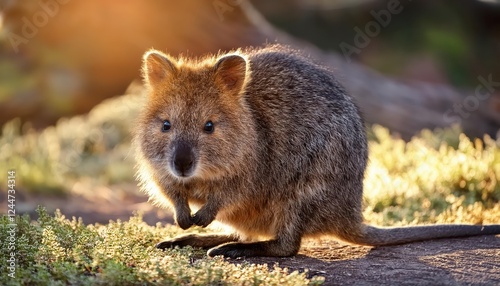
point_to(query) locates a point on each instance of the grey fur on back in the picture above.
(312, 140)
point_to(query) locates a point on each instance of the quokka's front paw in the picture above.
(202, 218)
(184, 221)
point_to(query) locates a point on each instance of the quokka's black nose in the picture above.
(184, 159)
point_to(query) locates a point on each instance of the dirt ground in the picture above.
(465, 261)
(468, 261)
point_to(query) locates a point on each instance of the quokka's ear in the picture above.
(231, 72)
(157, 67)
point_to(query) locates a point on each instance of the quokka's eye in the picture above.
(166, 126)
(209, 127)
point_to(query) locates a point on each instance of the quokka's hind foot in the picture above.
(197, 240)
(261, 248)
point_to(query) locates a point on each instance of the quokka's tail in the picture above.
(376, 236)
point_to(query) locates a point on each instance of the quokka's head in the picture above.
(195, 123)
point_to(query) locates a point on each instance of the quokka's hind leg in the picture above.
(282, 246)
(197, 240)
(286, 242)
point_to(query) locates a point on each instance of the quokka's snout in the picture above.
(184, 159)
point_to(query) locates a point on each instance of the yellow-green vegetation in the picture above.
(58, 251)
(440, 176)
(436, 177)
(93, 147)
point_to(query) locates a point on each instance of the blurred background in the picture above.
(410, 65)
(60, 58)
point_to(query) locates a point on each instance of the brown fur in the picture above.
(286, 158)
